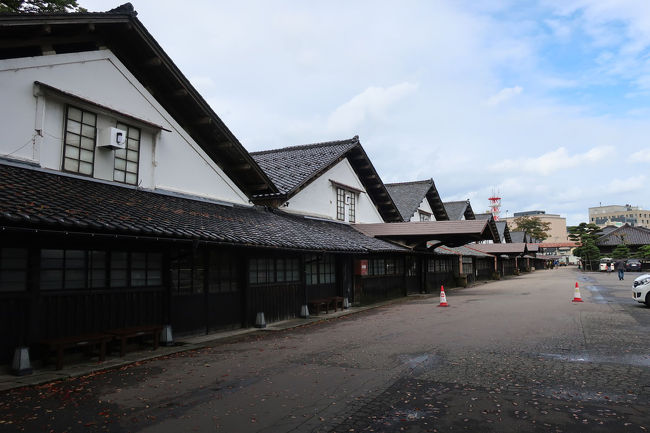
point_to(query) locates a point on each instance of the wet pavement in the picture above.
(512, 355)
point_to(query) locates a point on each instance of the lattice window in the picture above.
(79, 141)
(127, 160)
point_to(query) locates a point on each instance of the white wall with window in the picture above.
(60, 130)
(423, 213)
(323, 197)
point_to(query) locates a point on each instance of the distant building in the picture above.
(557, 233)
(619, 215)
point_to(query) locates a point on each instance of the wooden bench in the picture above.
(317, 304)
(124, 334)
(336, 301)
(59, 345)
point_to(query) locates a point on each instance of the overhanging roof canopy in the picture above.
(514, 249)
(417, 234)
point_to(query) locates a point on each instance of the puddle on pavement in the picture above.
(419, 363)
(636, 360)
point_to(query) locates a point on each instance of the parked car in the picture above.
(641, 289)
(606, 263)
(633, 265)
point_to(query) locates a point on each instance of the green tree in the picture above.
(534, 226)
(40, 6)
(621, 251)
(586, 234)
(643, 252)
(584, 231)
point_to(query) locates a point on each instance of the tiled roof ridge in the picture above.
(413, 182)
(352, 140)
(624, 227)
(613, 232)
(124, 9)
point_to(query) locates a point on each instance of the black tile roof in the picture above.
(504, 231)
(625, 234)
(456, 210)
(293, 168)
(35, 198)
(607, 229)
(408, 196)
(519, 236)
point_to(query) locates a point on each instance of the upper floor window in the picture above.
(79, 141)
(424, 216)
(345, 205)
(126, 160)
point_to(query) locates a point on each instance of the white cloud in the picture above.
(642, 155)
(631, 184)
(504, 95)
(553, 161)
(374, 102)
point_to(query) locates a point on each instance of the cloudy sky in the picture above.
(546, 102)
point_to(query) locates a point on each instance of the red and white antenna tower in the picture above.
(495, 204)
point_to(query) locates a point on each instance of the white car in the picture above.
(641, 289)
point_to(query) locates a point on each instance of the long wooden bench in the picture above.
(124, 334)
(336, 301)
(59, 345)
(317, 304)
(332, 302)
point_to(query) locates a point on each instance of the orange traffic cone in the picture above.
(576, 295)
(443, 298)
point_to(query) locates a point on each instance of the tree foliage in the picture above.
(584, 231)
(621, 251)
(534, 226)
(643, 252)
(40, 6)
(586, 234)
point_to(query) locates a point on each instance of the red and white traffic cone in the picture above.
(576, 295)
(443, 298)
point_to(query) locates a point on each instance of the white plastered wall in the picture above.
(33, 125)
(424, 206)
(319, 197)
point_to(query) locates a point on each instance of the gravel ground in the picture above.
(513, 355)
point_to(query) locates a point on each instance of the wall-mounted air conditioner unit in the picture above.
(112, 138)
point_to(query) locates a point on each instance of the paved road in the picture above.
(513, 355)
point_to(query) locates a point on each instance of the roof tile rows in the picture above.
(462, 251)
(291, 167)
(625, 234)
(39, 199)
(408, 196)
(459, 209)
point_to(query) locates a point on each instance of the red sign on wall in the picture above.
(361, 267)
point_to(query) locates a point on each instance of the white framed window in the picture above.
(345, 205)
(79, 141)
(127, 160)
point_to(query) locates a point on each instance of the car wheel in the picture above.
(647, 299)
